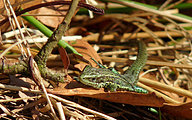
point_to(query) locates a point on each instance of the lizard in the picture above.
(111, 79)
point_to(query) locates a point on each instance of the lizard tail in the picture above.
(132, 73)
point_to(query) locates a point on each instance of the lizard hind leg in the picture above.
(111, 87)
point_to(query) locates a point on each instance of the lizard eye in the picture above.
(94, 79)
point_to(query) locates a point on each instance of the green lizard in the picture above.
(132, 73)
(111, 79)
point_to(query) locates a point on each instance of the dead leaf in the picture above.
(44, 109)
(80, 66)
(78, 31)
(64, 57)
(87, 51)
(52, 21)
(6, 26)
(124, 97)
(179, 110)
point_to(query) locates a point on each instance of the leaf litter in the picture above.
(169, 63)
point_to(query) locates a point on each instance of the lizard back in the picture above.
(102, 77)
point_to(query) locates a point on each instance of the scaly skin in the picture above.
(132, 73)
(105, 78)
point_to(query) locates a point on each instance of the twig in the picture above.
(169, 88)
(18, 99)
(149, 62)
(60, 109)
(166, 98)
(164, 4)
(130, 4)
(174, 4)
(81, 107)
(94, 37)
(23, 89)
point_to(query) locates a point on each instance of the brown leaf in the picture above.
(179, 110)
(80, 66)
(78, 31)
(52, 21)
(64, 57)
(44, 109)
(125, 97)
(6, 26)
(87, 51)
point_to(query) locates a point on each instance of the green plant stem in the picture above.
(47, 32)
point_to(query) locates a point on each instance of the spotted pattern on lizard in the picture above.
(106, 78)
